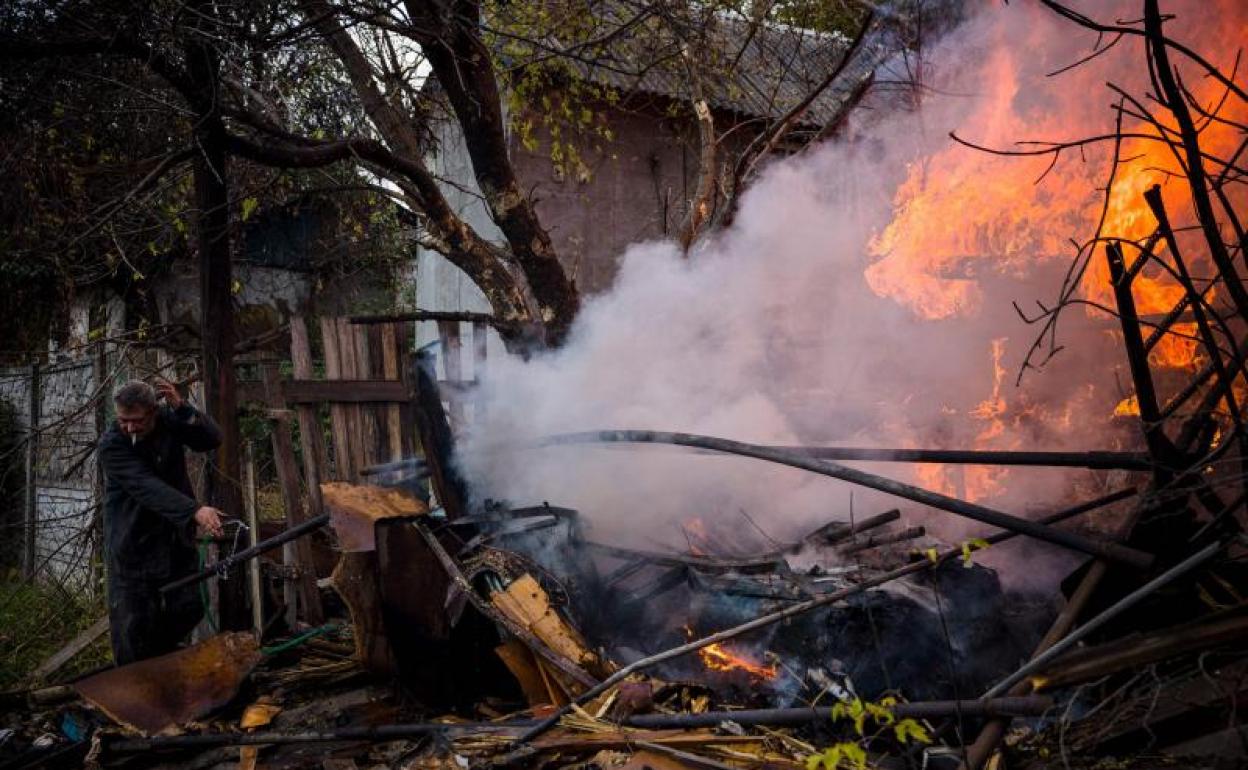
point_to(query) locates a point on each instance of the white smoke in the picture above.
(769, 333)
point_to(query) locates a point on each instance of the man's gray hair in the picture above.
(135, 393)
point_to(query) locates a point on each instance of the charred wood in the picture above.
(436, 438)
(782, 615)
(886, 538)
(1092, 663)
(1159, 445)
(1135, 597)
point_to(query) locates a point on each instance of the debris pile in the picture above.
(489, 635)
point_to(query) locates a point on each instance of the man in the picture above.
(151, 516)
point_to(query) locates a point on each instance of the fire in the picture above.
(962, 214)
(697, 535)
(716, 657)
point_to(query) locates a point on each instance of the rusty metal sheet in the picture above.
(159, 694)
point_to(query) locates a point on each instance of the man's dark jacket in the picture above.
(149, 530)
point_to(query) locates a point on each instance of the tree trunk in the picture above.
(461, 62)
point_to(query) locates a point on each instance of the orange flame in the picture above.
(716, 657)
(962, 214)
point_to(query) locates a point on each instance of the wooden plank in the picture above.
(343, 392)
(390, 357)
(339, 419)
(355, 580)
(480, 347)
(67, 653)
(368, 454)
(377, 371)
(452, 352)
(436, 441)
(526, 603)
(410, 443)
(311, 440)
(349, 361)
(297, 554)
(253, 537)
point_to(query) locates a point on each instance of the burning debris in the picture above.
(471, 632)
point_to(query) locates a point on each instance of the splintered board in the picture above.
(354, 508)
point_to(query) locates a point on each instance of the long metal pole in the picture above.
(1133, 461)
(263, 546)
(1093, 547)
(1033, 705)
(1030, 705)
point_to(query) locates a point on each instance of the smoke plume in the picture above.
(862, 297)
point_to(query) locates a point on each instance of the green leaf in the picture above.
(911, 728)
(249, 207)
(856, 755)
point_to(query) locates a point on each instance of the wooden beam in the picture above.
(67, 653)
(344, 392)
(298, 553)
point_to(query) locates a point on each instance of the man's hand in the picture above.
(169, 392)
(209, 521)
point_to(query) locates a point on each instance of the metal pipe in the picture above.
(374, 733)
(1033, 705)
(1093, 547)
(1027, 706)
(1132, 461)
(264, 546)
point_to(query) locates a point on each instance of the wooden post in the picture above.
(452, 348)
(390, 357)
(348, 355)
(366, 414)
(480, 346)
(410, 444)
(310, 438)
(253, 537)
(31, 523)
(297, 554)
(339, 416)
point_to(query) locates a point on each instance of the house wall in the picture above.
(638, 190)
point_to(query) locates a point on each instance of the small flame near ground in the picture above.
(717, 657)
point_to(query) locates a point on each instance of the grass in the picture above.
(36, 620)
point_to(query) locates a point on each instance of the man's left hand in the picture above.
(169, 392)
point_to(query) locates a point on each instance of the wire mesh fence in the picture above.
(51, 586)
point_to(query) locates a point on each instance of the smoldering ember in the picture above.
(813, 384)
